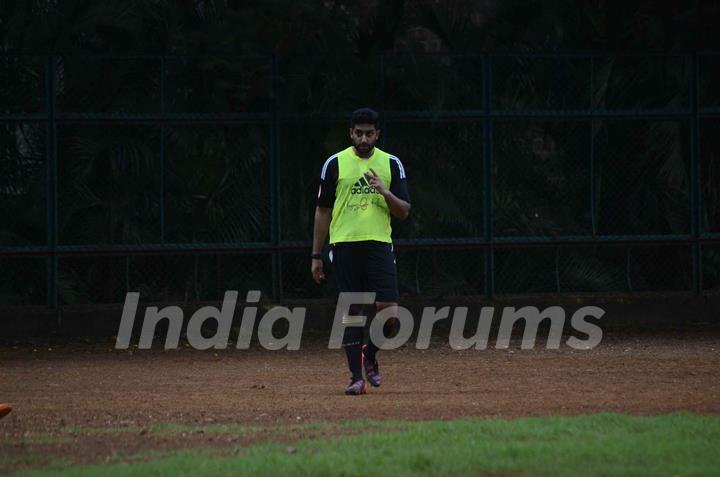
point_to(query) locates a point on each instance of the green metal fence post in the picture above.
(51, 185)
(628, 264)
(162, 150)
(593, 211)
(275, 185)
(487, 177)
(695, 175)
(557, 269)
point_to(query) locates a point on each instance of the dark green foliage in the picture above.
(22, 183)
(311, 62)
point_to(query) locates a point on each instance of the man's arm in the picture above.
(323, 216)
(398, 208)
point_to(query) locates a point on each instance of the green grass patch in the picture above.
(603, 444)
(40, 439)
(93, 431)
(174, 428)
(34, 459)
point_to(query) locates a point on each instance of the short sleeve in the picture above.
(328, 183)
(399, 185)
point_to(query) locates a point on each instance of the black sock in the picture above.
(370, 351)
(354, 357)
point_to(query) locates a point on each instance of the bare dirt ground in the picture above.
(92, 403)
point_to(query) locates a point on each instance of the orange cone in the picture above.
(4, 410)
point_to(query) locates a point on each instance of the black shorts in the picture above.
(367, 266)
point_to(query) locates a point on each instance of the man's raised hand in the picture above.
(376, 182)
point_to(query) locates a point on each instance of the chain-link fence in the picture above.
(183, 177)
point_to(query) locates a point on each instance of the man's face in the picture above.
(364, 137)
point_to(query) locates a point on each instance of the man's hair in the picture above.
(365, 116)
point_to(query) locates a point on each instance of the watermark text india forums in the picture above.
(591, 333)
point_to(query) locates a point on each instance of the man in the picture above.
(361, 187)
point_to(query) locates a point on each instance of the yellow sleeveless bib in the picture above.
(360, 213)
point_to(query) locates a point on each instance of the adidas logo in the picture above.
(362, 187)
